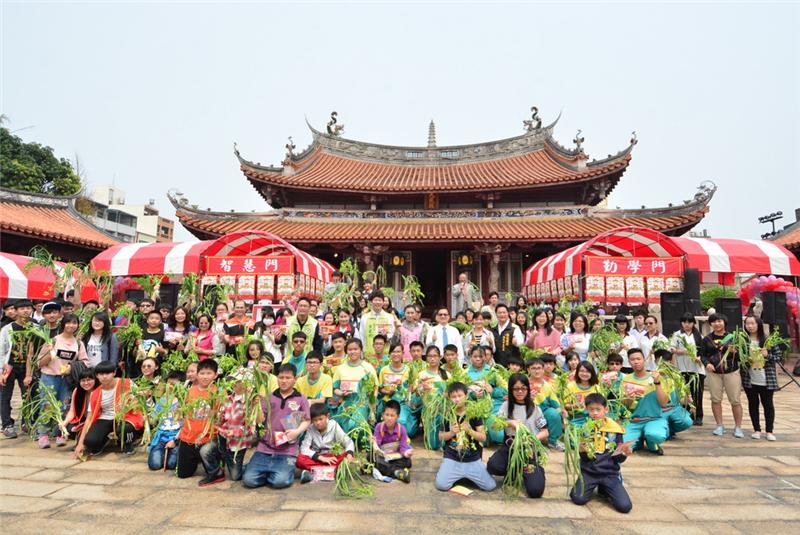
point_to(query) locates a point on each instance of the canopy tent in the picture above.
(255, 264)
(624, 241)
(35, 283)
(16, 283)
(654, 261)
(182, 258)
(147, 258)
(719, 259)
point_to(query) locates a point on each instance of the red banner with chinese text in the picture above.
(249, 265)
(618, 266)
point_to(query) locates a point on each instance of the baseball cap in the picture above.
(51, 305)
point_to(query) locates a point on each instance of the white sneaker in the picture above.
(738, 433)
(756, 436)
(719, 431)
(771, 437)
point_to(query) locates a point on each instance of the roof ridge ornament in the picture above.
(431, 135)
(634, 139)
(333, 128)
(579, 141)
(290, 148)
(535, 122)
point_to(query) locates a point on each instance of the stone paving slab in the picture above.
(703, 485)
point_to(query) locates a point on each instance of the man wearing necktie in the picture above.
(444, 334)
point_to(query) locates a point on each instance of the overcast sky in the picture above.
(153, 96)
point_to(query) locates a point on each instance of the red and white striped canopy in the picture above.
(714, 255)
(259, 243)
(626, 241)
(151, 258)
(181, 258)
(36, 283)
(709, 256)
(15, 283)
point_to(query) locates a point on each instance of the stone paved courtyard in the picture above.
(703, 484)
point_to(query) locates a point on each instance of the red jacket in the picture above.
(133, 417)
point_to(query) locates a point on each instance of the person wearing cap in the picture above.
(9, 312)
(51, 316)
(14, 355)
(687, 344)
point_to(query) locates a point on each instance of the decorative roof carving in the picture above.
(535, 122)
(333, 128)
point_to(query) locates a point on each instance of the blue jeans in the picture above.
(277, 471)
(451, 471)
(234, 460)
(155, 459)
(58, 385)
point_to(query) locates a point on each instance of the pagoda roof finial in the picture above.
(431, 134)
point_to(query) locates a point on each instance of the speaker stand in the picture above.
(792, 378)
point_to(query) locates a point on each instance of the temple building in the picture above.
(490, 208)
(30, 219)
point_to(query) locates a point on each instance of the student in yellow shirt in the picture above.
(585, 383)
(315, 385)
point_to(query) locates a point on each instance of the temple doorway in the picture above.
(431, 267)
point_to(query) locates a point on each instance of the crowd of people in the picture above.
(309, 389)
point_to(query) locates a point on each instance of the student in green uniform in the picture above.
(393, 383)
(644, 395)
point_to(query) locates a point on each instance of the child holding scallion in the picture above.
(393, 381)
(759, 377)
(483, 382)
(601, 453)
(546, 400)
(55, 362)
(678, 418)
(521, 456)
(392, 450)
(163, 454)
(325, 445)
(236, 428)
(354, 386)
(428, 397)
(585, 383)
(462, 438)
(197, 444)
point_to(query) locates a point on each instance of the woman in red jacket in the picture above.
(76, 416)
(104, 414)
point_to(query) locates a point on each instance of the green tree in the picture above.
(708, 296)
(33, 167)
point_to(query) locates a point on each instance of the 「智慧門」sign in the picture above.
(249, 265)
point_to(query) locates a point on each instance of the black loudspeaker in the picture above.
(673, 305)
(691, 284)
(774, 308)
(732, 308)
(168, 294)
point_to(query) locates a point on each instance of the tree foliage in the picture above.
(708, 296)
(33, 167)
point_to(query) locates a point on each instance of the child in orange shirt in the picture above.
(197, 442)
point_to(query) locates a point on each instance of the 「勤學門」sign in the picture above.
(617, 266)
